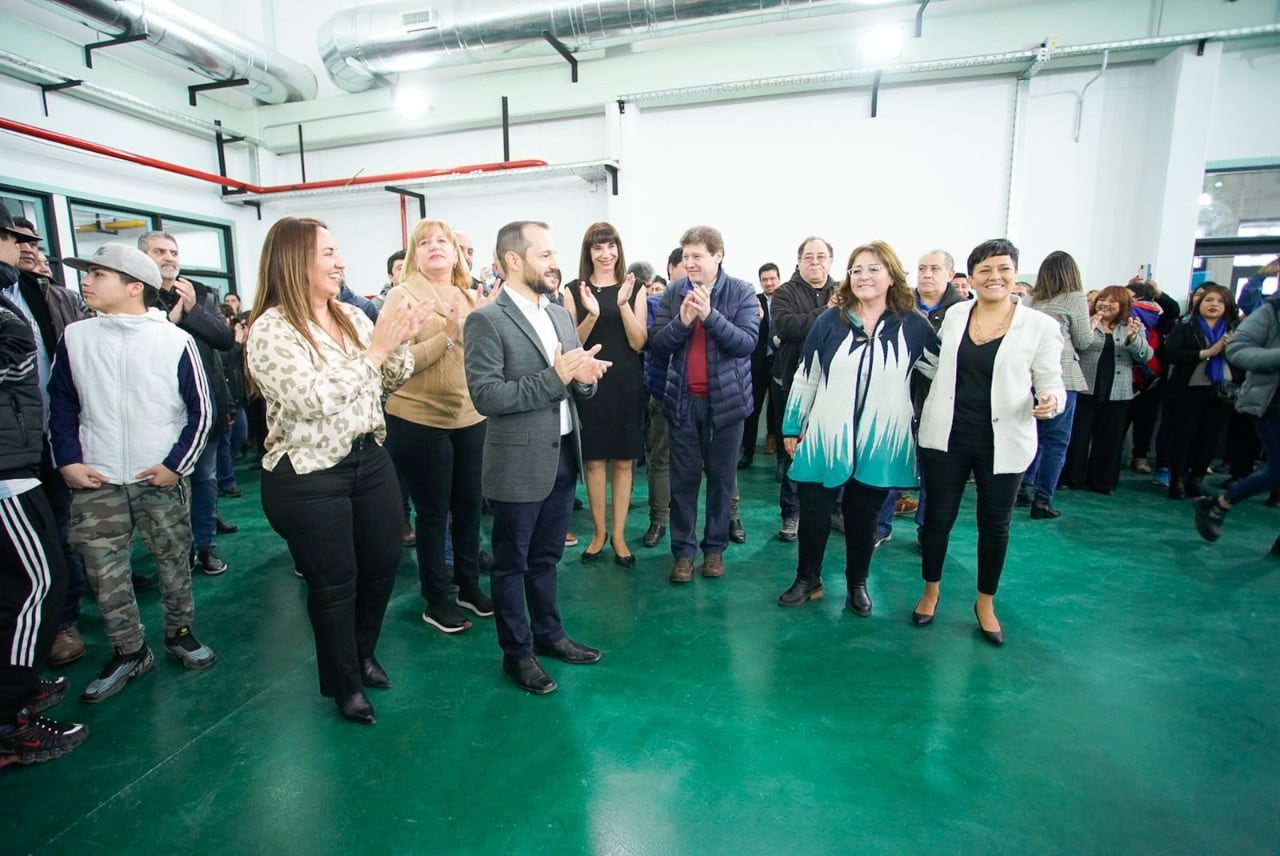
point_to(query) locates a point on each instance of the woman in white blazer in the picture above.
(999, 370)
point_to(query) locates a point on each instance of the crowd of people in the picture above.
(398, 421)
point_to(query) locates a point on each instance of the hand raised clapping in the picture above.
(626, 289)
(580, 365)
(397, 325)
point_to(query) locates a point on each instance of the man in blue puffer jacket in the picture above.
(706, 327)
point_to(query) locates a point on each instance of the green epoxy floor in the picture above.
(1133, 709)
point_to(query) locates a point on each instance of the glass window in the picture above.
(1237, 203)
(37, 209)
(202, 246)
(95, 225)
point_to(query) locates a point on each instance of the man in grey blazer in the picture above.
(525, 367)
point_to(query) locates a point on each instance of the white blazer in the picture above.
(1030, 356)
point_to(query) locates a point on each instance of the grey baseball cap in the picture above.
(124, 259)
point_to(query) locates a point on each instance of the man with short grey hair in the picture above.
(194, 308)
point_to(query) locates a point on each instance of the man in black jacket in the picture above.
(49, 308)
(32, 573)
(761, 369)
(194, 308)
(796, 305)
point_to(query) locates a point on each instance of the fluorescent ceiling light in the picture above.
(411, 101)
(882, 43)
(1205, 199)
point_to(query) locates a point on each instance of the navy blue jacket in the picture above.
(732, 328)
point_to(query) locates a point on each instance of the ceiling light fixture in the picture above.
(411, 102)
(882, 43)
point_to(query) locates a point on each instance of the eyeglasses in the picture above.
(871, 269)
(810, 259)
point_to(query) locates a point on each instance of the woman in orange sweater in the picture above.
(434, 433)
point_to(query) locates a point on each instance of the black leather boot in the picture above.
(1177, 490)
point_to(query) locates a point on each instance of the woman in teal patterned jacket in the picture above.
(849, 421)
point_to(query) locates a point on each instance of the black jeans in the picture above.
(442, 467)
(945, 474)
(343, 529)
(861, 506)
(1097, 438)
(1199, 419)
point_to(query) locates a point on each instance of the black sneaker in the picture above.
(209, 561)
(184, 647)
(33, 739)
(474, 599)
(1209, 516)
(48, 693)
(117, 673)
(446, 618)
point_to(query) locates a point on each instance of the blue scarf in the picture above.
(1215, 366)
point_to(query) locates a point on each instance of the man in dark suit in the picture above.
(525, 367)
(762, 370)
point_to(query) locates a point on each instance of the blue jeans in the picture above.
(231, 442)
(696, 446)
(884, 523)
(1051, 455)
(204, 495)
(1268, 428)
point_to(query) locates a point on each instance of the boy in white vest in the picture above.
(129, 413)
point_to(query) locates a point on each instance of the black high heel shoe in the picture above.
(618, 559)
(356, 708)
(588, 557)
(372, 674)
(920, 619)
(995, 637)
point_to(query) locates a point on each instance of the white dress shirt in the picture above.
(541, 322)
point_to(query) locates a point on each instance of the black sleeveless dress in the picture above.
(612, 420)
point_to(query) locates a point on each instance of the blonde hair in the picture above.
(459, 276)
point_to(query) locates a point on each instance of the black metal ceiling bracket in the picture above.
(196, 89)
(110, 43)
(46, 88)
(920, 18)
(875, 94)
(506, 131)
(613, 175)
(421, 197)
(622, 106)
(564, 51)
(222, 140)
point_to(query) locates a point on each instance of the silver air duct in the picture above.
(366, 43)
(196, 43)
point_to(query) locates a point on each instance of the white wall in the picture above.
(1243, 121)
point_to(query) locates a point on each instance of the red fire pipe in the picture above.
(243, 186)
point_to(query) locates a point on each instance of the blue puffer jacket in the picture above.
(732, 329)
(655, 368)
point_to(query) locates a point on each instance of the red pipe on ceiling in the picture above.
(243, 186)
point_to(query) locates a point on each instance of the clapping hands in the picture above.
(580, 365)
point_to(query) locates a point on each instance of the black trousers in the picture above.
(760, 383)
(442, 467)
(1097, 435)
(1143, 410)
(861, 506)
(528, 541)
(1243, 448)
(945, 475)
(1199, 419)
(343, 529)
(33, 581)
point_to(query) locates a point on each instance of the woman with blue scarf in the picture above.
(849, 420)
(1196, 349)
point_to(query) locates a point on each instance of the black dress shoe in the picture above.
(1026, 496)
(356, 708)
(529, 675)
(858, 601)
(653, 535)
(569, 651)
(223, 527)
(920, 619)
(372, 675)
(588, 557)
(744, 462)
(1177, 490)
(737, 534)
(231, 493)
(1042, 510)
(995, 637)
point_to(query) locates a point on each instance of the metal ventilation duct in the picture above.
(196, 43)
(365, 43)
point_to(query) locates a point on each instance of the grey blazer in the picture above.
(1071, 311)
(1137, 351)
(513, 384)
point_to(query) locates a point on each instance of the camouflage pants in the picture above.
(102, 524)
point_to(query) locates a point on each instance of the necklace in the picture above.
(981, 333)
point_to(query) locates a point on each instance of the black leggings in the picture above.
(861, 506)
(945, 474)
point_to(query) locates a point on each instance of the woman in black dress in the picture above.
(611, 312)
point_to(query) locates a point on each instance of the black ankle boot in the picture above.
(372, 674)
(1042, 510)
(1176, 488)
(802, 591)
(356, 708)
